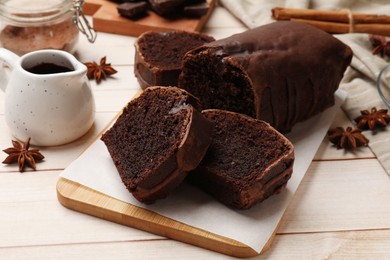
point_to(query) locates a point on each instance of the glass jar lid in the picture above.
(37, 12)
(19, 12)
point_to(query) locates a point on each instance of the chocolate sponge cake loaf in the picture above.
(158, 138)
(282, 73)
(158, 56)
(247, 161)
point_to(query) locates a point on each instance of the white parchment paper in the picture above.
(189, 205)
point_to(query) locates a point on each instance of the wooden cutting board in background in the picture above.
(106, 19)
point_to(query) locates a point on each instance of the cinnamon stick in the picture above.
(336, 21)
(331, 27)
(341, 16)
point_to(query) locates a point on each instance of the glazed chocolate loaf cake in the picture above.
(158, 56)
(247, 161)
(282, 73)
(159, 137)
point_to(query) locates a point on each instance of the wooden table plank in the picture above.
(335, 196)
(118, 99)
(332, 245)
(354, 245)
(134, 250)
(32, 216)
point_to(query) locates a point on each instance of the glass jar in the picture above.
(29, 25)
(383, 83)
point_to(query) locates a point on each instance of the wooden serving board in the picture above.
(106, 19)
(89, 201)
(83, 199)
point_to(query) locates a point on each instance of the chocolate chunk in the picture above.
(196, 10)
(127, 1)
(166, 7)
(132, 10)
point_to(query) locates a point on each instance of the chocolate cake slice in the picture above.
(159, 137)
(283, 72)
(158, 56)
(247, 161)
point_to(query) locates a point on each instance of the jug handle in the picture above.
(10, 59)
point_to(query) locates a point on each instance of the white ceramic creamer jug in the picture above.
(47, 96)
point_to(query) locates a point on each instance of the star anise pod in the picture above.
(21, 154)
(99, 71)
(372, 120)
(347, 139)
(380, 45)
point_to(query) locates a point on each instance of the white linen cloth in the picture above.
(360, 78)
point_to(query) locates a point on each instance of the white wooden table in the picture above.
(340, 211)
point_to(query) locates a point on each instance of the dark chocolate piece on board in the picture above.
(194, 2)
(127, 1)
(196, 10)
(132, 10)
(166, 7)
